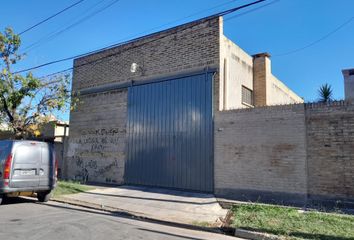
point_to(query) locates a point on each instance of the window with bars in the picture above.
(247, 96)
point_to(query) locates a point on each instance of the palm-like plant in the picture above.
(326, 93)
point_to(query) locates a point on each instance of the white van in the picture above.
(27, 167)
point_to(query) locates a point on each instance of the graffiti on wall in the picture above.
(97, 153)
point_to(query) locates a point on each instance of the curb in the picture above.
(136, 215)
(241, 233)
(97, 207)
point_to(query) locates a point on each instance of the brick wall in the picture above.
(330, 149)
(96, 149)
(293, 154)
(188, 46)
(260, 154)
(97, 142)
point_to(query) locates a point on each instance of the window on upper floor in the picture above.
(247, 96)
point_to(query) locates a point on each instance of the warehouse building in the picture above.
(146, 112)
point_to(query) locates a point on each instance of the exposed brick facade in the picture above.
(292, 154)
(260, 154)
(330, 151)
(97, 141)
(278, 154)
(188, 46)
(96, 149)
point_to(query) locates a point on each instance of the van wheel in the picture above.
(44, 196)
(1, 198)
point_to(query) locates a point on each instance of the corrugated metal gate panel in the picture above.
(170, 134)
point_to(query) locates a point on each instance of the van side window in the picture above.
(4, 150)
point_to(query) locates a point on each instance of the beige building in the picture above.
(247, 81)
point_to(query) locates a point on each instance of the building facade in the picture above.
(147, 106)
(159, 111)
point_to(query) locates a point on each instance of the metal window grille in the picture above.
(247, 96)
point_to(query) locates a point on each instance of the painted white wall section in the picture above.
(239, 72)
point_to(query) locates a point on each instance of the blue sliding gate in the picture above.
(170, 134)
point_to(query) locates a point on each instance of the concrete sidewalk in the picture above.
(155, 203)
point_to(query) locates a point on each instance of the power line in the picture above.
(252, 10)
(32, 46)
(55, 34)
(166, 24)
(56, 73)
(223, 13)
(42, 39)
(317, 41)
(226, 12)
(191, 15)
(52, 16)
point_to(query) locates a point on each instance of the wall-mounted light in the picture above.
(136, 67)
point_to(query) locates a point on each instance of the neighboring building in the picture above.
(147, 106)
(56, 132)
(349, 84)
(247, 81)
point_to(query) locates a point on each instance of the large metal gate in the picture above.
(170, 134)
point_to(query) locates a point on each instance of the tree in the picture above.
(27, 101)
(326, 93)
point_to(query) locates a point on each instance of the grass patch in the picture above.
(64, 187)
(202, 224)
(291, 223)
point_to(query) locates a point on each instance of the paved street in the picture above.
(27, 219)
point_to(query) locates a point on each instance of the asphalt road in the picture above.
(26, 219)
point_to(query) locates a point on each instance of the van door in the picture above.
(46, 167)
(26, 159)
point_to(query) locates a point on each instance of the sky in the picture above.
(277, 28)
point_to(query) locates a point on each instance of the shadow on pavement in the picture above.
(17, 200)
(152, 199)
(159, 190)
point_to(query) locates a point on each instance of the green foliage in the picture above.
(326, 93)
(291, 223)
(26, 101)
